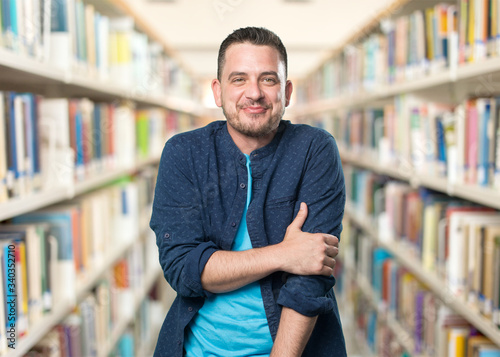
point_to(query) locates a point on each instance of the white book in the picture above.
(458, 245)
(124, 136)
(460, 137)
(103, 47)
(56, 155)
(3, 151)
(45, 29)
(480, 46)
(497, 40)
(20, 184)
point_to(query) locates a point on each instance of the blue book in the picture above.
(5, 15)
(59, 16)
(36, 134)
(11, 122)
(13, 18)
(126, 345)
(60, 223)
(441, 146)
(380, 255)
(484, 146)
(80, 157)
(371, 330)
(487, 352)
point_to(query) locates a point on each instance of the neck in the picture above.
(247, 144)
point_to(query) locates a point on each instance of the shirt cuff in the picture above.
(298, 295)
(195, 263)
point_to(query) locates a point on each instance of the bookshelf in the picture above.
(372, 93)
(154, 96)
(84, 286)
(437, 285)
(402, 336)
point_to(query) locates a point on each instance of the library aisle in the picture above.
(91, 90)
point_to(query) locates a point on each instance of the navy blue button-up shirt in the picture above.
(199, 200)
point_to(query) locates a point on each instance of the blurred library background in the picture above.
(90, 91)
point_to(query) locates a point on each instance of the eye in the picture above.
(270, 80)
(237, 80)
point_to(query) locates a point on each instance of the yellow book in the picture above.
(470, 32)
(494, 25)
(460, 346)
(124, 51)
(24, 277)
(429, 17)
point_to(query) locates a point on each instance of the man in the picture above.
(251, 279)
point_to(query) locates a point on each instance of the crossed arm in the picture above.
(299, 253)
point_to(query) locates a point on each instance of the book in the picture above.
(490, 271)
(60, 38)
(458, 259)
(3, 151)
(61, 228)
(56, 156)
(33, 238)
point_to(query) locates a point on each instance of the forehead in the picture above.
(246, 57)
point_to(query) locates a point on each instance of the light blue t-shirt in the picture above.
(233, 323)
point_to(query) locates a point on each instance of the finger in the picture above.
(329, 262)
(332, 252)
(326, 271)
(331, 240)
(299, 220)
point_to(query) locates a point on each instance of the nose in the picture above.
(253, 91)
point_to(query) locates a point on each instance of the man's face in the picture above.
(253, 91)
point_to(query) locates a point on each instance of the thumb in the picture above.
(301, 216)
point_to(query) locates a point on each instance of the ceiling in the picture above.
(308, 28)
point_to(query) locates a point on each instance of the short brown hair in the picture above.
(258, 36)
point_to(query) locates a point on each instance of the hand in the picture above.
(308, 253)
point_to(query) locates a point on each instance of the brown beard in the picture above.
(264, 130)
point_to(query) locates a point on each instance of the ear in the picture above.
(288, 92)
(216, 89)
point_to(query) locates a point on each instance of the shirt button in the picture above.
(167, 235)
(242, 185)
(233, 224)
(179, 342)
(190, 309)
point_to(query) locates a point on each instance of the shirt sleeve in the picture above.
(177, 222)
(323, 190)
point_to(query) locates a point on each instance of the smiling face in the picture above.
(253, 91)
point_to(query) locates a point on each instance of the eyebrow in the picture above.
(234, 74)
(268, 73)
